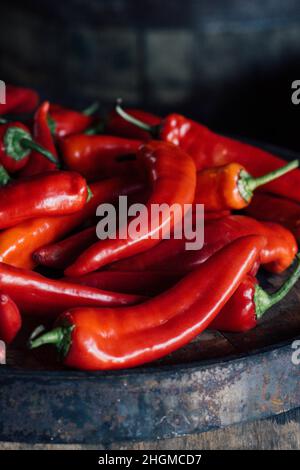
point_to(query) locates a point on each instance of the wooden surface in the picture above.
(278, 433)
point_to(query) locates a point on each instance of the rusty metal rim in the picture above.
(78, 408)
(69, 374)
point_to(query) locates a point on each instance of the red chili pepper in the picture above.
(96, 339)
(10, 319)
(249, 303)
(61, 254)
(63, 121)
(169, 255)
(42, 135)
(16, 144)
(173, 179)
(17, 244)
(38, 295)
(52, 193)
(231, 186)
(19, 100)
(116, 125)
(149, 283)
(209, 149)
(275, 209)
(99, 156)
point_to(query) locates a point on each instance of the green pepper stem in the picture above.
(263, 301)
(254, 183)
(132, 119)
(4, 176)
(3, 120)
(30, 144)
(90, 110)
(247, 183)
(59, 336)
(97, 129)
(54, 336)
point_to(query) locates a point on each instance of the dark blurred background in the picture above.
(228, 63)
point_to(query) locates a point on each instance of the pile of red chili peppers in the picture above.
(123, 302)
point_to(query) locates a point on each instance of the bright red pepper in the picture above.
(42, 135)
(19, 100)
(61, 254)
(99, 156)
(37, 295)
(275, 209)
(96, 339)
(231, 186)
(52, 193)
(116, 125)
(173, 179)
(16, 145)
(249, 303)
(209, 149)
(149, 283)
(10, 318)
(17, 244)
(64, 121)
(170, 255)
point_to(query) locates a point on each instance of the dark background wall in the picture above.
(229, 63)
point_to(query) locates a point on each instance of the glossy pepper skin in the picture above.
(169, 255)
(42, 135)
(17, 244)
(130, 282)
(276, 209)
(231, 186)
(64, 121)
(10, 319)
(16, 145)
(19, 100)
(52, 193)
(97, 339)
(209, 149)
(116, 125)
(38, 295)
(172, 176)
(62, 253)
(99, 156)
(249, 303)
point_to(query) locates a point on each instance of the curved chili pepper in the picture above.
(52, 193)
(209, 149)
(64, 121)
(10, 319)
(173, 178)
(16, 145)
(37, 295)
(170, 254)
(231, 186)
(116, 125)
(17, 244)
(149, 283)
(42, 135)
(275, 209)
(61, 254)
(96, 339)
(99, 156)
(19, 100)
(249, 303)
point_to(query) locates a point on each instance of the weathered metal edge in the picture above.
(148, 403)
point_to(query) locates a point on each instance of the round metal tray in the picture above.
(216, 380)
